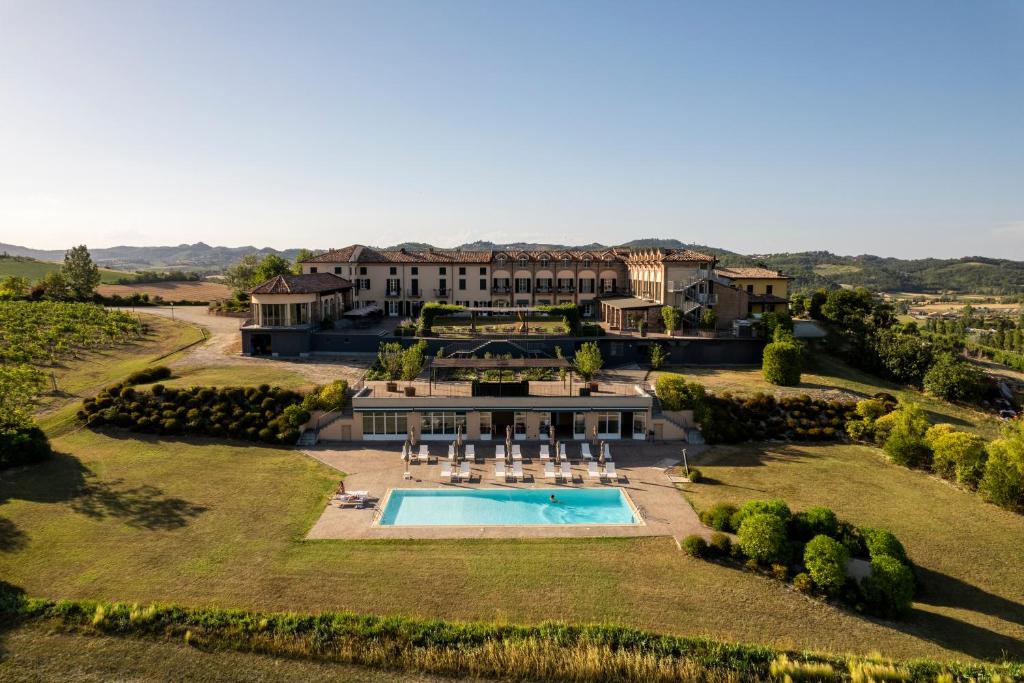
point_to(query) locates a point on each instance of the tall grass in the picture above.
(548, 651)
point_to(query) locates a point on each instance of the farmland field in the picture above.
(170, 291)
(35, 270)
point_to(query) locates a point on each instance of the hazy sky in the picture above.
(894, 128)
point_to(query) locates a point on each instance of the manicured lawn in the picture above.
(831, 378)
(967, 551)
(274, 374)
(205, 523)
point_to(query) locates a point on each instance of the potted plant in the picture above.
(708, 322)
(587, 362)
(410, 390)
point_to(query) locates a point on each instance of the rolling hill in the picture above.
(810, 269)
(34, 270)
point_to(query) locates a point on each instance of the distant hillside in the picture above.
(810, 269)
(34, 270)
(198, 256)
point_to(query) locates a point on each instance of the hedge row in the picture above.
(548, 651)
(264, 413)
(724, 418)
(813, 548)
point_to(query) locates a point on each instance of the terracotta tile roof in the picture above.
(310, 283)
(687, 255)
(358, 253)
(751, 273)
(334, 255)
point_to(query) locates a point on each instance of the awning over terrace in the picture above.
(629, 303)
(363, 311)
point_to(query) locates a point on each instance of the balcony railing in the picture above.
(443, 293)
(566, 289)
(414, 293)
(543, 289)
(501, 289)
(393, 293)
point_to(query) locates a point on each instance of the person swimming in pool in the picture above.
(554, 500)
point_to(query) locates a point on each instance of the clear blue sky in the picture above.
(894, 128)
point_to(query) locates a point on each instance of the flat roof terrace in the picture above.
(454, 389)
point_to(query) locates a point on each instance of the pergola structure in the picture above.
(519, 311)
(616, 311)
(499, 364)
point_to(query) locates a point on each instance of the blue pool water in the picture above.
(491, 507)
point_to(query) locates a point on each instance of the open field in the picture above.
(964, 548)
(829, 377)
(35, 653)
(834, 269)
(170, 291)
(35, 270)
(204, 523)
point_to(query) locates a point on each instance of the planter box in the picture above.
(410, 391)
(392, 386)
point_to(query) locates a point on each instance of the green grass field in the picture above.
(35, 270)
(827, 376)
(965, 549)
(121, 516)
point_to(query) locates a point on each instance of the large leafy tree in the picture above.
(588, 360)
(241, 276)
(80, 274)
(299, 258)
(270, 266)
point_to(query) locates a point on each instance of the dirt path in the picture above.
(224, 347)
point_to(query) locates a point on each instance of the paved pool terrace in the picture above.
(378, 468)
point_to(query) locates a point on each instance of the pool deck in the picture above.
(378, 468)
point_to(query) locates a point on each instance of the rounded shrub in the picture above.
(803, 583)
(813, 522)
(782, 363)
(825, 559)
(762, 536)
(720, 544)
(695, 546)
(772, 507)
(696, 476)
(889, 590)
(882, 542)
(719, 516)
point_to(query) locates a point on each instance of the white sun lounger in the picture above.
(446, 470)
(561, 452)
(585, 451)
(471, 452)
(549, 470)
(517, 471)
(424, 454)
(566, 471)
(499, 470)
(592, 470)
(451, 451)
(609, 471)
(464, 473)
(499, 452)
(517, 452)
(545, 453)
(607, 452)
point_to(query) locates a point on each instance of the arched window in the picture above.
(524, 261)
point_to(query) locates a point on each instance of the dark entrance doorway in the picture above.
(563, 425)
(261, 345)
(626, 425)
(500, 421)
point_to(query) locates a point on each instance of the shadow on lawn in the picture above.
(959, 636)
(942, 590)
(63, 478)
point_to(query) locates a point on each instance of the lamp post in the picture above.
(686, 466)
(172, 310)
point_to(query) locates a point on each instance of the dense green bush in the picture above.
(752, 507)
(232, 412)
(958, 455)
(720, 545)
(782, 362)
(570, 312)
(954, 379)
(825, 559)
(905, 443)
(882, 542)
(1003, 482)
(762, 536)
(675, 393)
(813, 522)
(327, 397)
(432, 310)
(148, 376)
(695, 546)
(889, 590)
(719, 516)
(724, 418)
(23, 446)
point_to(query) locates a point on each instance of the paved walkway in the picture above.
(379, 468)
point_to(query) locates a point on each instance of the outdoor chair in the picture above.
(592, 470)
(585, 451)
(446, 471)
(545, 454)
(549, 470)
(499, 470)
(464, 472)
(566, 471)
(609, 471)
(517, 471)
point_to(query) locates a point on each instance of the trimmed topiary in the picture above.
(889, 590)
(782, 363)
(762, 536)
(825, 559)
(773, 507)
(720, 544)
(719, 516)
(695, 546)
(882, 542)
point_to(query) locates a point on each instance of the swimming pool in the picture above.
(507, 507)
